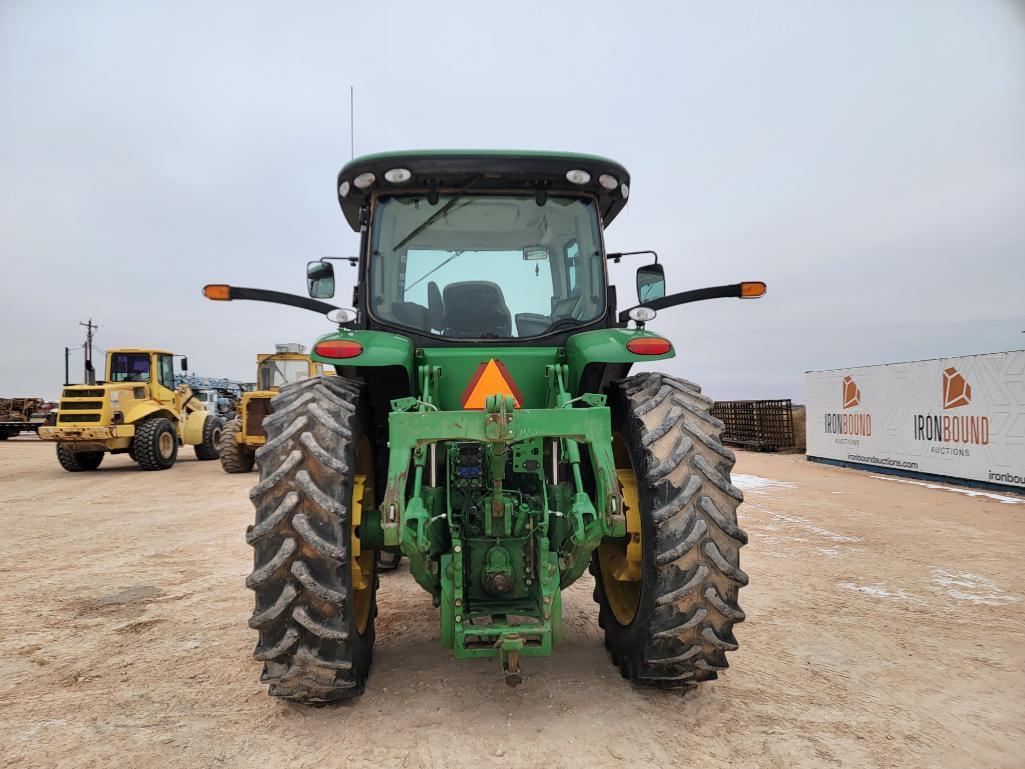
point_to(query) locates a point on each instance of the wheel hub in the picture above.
(362, 563)
(620, 561)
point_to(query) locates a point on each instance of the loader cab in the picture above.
(154, 368)
(286, 366)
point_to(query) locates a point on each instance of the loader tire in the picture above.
(316, 623)
(78, 461)
(686, 599)
(208, 449)
(235, 458)
(155, 445)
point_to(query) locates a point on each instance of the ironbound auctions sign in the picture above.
(958, 417)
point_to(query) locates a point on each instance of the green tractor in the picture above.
(485, 424)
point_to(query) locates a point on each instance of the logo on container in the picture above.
(955, 392)
(851, 393)
(849, 423)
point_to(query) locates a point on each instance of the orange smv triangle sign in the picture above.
(491, 378)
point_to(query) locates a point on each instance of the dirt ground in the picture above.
(886, 627)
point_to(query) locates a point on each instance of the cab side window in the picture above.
(165, 371)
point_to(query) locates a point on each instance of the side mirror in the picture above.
(185, 363)
(651, 283)
(320, 279)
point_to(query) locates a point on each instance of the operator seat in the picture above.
(476, 308)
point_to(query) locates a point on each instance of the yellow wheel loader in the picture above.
(242, 436)
(138, 409)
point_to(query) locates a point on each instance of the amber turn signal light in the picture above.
(219, 292)
(649, 345)
(338, 348)
(752, 289)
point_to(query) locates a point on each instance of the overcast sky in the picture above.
(865, 159)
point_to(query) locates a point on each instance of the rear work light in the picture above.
(649, 345)
(338, 348)
(364, 180)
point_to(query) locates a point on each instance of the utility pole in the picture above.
(67, 373)
(90, 372)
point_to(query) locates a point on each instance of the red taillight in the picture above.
(649, 345)
(338, 348)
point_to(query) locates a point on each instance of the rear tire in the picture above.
(690, 572)
(208, 449)
(155, 445)
(78, 461)
(235, 458)
(316, 630)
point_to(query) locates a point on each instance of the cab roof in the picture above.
(480, 171)
(261, 357)
(153, 350)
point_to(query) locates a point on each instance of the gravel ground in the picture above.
(886, 627)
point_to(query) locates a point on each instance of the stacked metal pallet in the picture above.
(757, 425)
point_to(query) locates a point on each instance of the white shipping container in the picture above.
(961, 417)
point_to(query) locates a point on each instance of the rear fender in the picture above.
(380, 350)
(147, 409)
(194, 423)
(603, 347)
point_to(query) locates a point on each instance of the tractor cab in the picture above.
(509, 251)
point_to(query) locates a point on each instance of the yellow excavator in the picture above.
(139, 409)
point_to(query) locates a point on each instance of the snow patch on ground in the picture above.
(1003, 499)
(805, 525)
(757, 483)
(972, 588)
(879, 591)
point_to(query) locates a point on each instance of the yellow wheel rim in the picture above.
(620, 560)
(362, 562)
(165, 444)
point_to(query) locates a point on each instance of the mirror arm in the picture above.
(617, 255)
(280, 297)
(685, 297)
